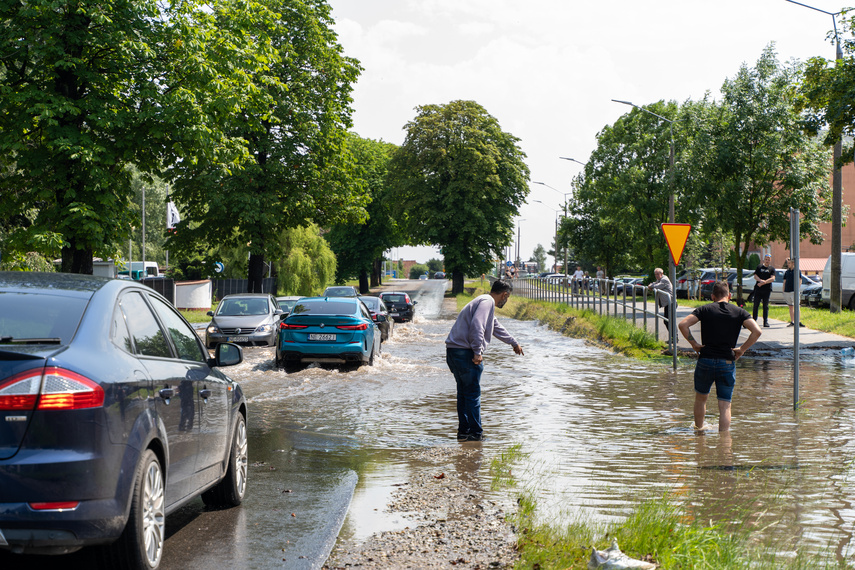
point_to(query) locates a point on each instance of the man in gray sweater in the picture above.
(475, 326)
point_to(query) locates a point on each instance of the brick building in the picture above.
(812, 257)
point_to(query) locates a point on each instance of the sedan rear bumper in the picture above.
(341, 357)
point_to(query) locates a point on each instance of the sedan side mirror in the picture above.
(415, 302)
(284, 316)
(210, 313)
(227, 354)
(381, 318)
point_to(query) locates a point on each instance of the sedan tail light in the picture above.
(360, 327)
(289, 327)
(55, 506)
(50, 389)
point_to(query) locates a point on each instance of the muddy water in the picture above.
(604, 432)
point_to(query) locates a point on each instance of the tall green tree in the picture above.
(300, 170)
(539, 257)
(359, 245)
(91, 86)
(458, 181)
(622, 197)
(755, 162)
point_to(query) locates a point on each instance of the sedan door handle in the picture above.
(205, 393)
(166, 393)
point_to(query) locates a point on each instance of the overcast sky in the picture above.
(548, 69)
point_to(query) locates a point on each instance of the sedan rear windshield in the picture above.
(394, 298)
(29, 317)
(324, 308)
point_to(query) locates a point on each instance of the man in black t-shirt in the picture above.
(721, 323)
(764, 275)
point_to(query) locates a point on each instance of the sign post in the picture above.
(675, 236)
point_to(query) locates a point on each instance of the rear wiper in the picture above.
(13, 340)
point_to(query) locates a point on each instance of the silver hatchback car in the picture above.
(249, 319)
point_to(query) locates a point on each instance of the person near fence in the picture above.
(721, 321)
(475, 326)
(662, 285)
(790, 295)
(764, 275)
(577, 278)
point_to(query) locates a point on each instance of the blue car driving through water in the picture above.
(330, 330)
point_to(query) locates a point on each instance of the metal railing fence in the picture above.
(604, 296)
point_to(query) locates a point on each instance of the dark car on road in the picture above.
(401, 307)
(439, 275)
(248, 319)
(341, 291)
(112, 416)
(378, 308)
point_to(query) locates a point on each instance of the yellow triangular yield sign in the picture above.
(676, 236)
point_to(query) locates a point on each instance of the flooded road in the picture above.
(604, 433)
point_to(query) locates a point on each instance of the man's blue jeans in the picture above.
(468, 377)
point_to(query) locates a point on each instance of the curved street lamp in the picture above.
(672, 269)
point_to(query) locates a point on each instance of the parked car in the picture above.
(423, 277)
(628, 283)
(112, 416)
(847, 280)
(811, 295)
(401, 308)
(439, 275)
(336, 330)
(708, 279)
(341, 291)
(377, 308)
(248, 319)
(287, 302)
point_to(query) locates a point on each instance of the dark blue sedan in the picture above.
(112, 415)
(332, 330)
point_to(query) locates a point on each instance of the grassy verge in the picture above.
(198, 316)
(823, 320)
(614, 333)
(660, 530)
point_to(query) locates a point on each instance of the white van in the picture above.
(151, 269)
(847, 280)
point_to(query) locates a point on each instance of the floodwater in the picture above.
(604, 432)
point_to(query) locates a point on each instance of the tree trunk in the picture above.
(363, 281)
(456, 282)
(274, 273)
(76, 260)
(376, 272)
(255, 276)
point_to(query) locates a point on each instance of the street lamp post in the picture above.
(672, 269)
(565, 194)
(556, 229)
(836, 292)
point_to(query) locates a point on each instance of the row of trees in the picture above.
(741, 163)
(241, 109)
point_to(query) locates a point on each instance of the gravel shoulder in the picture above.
(453, 523)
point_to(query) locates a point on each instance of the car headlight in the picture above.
(213, 329)
(264, 329)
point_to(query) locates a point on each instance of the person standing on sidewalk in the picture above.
(721, 323)
(764, 275)
(663, 284)
(475, 326)
(790, 296)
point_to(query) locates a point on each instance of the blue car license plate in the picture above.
(321, 336)
(238, 339)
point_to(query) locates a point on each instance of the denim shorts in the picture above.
(716, 371)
